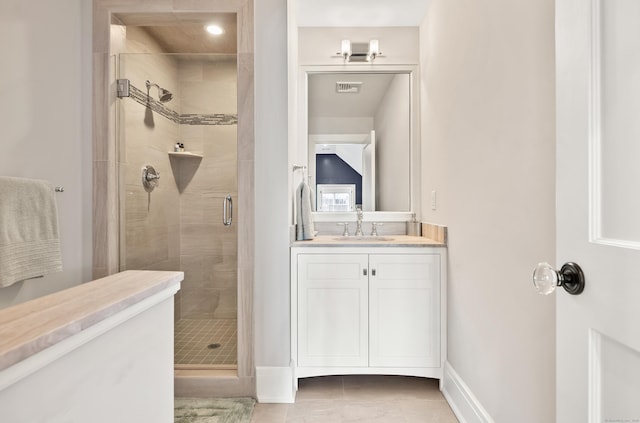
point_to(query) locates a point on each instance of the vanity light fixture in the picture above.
(374, 50)
(345, 49)
(359, 52)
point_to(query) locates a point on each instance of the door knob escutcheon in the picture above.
(570, 277)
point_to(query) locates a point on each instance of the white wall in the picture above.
(271, 301)
(488, 150)
(45, 116)
(393, 142)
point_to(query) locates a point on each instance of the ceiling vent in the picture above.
(348, 87)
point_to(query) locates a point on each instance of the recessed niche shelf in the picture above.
(185, 154)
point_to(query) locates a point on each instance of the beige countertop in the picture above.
(30, 327)
(369, 241)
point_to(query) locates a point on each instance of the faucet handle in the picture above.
(374, 228)
(346, 228)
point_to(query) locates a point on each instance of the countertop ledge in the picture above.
(30, 327)
(351, 241)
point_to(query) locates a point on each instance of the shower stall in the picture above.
(177, 131)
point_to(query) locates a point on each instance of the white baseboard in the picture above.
(275, 385)
(464, 404)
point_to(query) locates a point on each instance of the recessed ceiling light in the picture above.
(214, 29)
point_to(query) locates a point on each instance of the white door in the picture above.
(404, 310)
(598, 209)
(333, 310)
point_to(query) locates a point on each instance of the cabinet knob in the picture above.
(364, 272)
(373, 272)
(570, 277)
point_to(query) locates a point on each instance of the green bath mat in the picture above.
(204, 410)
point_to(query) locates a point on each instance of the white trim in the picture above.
(299, 114)
(630, 245)
(275, 385)
(595, 127)
(595, 377)
(22, 369)
(595, 136)
(464, 404)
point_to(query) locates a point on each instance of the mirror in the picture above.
(359, 140)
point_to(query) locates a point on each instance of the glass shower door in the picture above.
(179, 224)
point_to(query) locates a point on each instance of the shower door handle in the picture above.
(227, 211)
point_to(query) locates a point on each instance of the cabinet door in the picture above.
(404, 310)
(332, 310)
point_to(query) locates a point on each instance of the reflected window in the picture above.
(336, 197)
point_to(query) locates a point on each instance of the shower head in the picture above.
(163, 95)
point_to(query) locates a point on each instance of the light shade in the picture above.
(374, 50)
(345, 48)
(214, 29)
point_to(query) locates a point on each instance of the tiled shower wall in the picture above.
(208, 248)
(151, 221)
(179, 225)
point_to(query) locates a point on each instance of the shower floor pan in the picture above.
(206, 343)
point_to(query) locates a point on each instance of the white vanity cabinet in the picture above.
(368, 310)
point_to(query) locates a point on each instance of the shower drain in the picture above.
(213, 346)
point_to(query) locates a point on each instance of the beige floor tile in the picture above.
(366, 399)
(390, 387)
(315, 411)
(371, 412)
(325, 387)
(269, 413)
(420, 411)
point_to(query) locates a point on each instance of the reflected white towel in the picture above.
(304, 218)
(29, 241)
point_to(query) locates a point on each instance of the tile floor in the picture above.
(367, 399)
(193, 336)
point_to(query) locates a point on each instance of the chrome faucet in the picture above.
(359, 222)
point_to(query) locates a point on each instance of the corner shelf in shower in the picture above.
(185, 154)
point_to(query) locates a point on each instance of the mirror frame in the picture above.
(414, 130)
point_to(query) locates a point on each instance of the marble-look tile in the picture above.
(393, 399)
(246, 105)
(246, 365)
(190, 71)
(196, 240)
(373, 411)
(269, 413)
(316, 411)
(246, 217)
(245, 26)
(324, 387)
(191, 208)
(206, 5)
(209, 97)
(390, 388)
(419, 411)
(435, 232)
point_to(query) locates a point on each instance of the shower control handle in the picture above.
(227, 211)
(151, 176)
